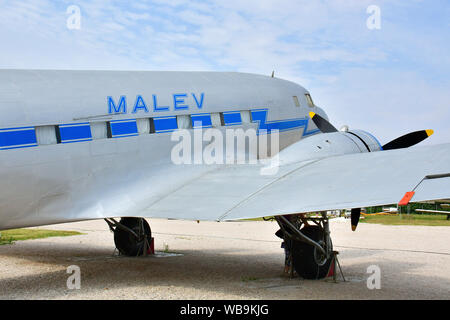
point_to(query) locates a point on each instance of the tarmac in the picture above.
(227, 260)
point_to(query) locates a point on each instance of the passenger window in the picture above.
(46, 135)
(309, 100)
(99, 130)
(297, 103)
(184, 122)
(143, 125)
(216, 120)
(246, 117)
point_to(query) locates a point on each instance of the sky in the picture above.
(388, 80)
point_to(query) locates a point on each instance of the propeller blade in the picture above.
(408, 140)
(356, 213)
(322, 123)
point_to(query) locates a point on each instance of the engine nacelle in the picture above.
(325, 145)
(366, 141)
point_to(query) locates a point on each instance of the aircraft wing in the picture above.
(348, 181)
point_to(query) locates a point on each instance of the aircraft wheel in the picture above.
(127, 243)
(309, 262)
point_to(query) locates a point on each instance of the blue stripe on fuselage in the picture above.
(76, 132)
(15, 138)
(232, 118)
(165, 124)
(123, 128)
(260, 116)
(201, 120)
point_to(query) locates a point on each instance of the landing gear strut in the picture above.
(132, 236)
(311, 248)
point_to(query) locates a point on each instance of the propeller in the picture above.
(405, 141)
(408, 140)
(354, 217)
(322, 123)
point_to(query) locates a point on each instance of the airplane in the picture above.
(84, 145)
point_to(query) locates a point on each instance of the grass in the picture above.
(10, 236)
(409, 220)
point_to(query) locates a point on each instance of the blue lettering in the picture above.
(140, 104)
(155, 105)
(179, 103)
(122, 105)
(199, 104)
(177, 100)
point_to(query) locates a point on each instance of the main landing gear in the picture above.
(132, 236)
(309, 247)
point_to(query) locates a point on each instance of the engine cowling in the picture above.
(328, 145)
(366, 141)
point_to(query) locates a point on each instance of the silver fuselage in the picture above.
(55, 179)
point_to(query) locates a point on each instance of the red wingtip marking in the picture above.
(406, 199)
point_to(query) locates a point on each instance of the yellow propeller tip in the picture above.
(312, 114)
(430, 132)
(353, 228)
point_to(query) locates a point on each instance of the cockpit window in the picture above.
(297, 103)
(309, 99)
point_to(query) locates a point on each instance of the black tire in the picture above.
(303, 255)
(126, 243)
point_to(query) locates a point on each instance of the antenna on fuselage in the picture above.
(273, 74)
